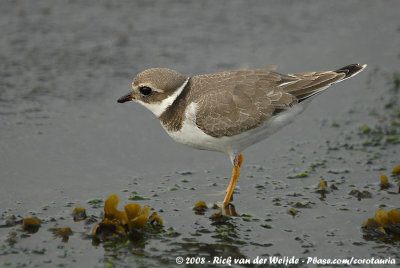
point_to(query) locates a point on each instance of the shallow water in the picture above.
(64, 140)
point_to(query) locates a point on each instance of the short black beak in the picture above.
(125, 98)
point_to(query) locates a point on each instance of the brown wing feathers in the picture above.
(240, 100)
(310, 83)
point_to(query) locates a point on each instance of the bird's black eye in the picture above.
(145, 90)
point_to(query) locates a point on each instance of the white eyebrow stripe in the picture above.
(159, 107)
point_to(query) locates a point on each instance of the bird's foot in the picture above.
(229, 210)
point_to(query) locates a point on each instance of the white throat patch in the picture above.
(159, 107)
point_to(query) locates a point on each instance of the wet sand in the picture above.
(64, 140)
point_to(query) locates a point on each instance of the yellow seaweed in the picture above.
(109, 227)
(323, 184)
(138, 222)
(370, 223)
(146, 210)
(396, 170)
(384, 225)
(64, 233)
(381, 217)
(79, 213)
(293, 211)
(111, 205)
(384, 181)
(155, 219)
(200, 206)
(394, 216)
(119, 225)
(380, 228)
(31, 224)
(137, 215)
(133, 210)
(111, 211)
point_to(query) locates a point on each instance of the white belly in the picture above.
(192, 136)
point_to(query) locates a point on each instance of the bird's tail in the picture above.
(309, 84)
(350, 70)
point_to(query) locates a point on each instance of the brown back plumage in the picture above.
(232, 102)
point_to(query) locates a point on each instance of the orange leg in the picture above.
(234, 179)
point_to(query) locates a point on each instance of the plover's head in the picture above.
(156, 89)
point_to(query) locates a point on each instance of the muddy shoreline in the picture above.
(64, 140)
